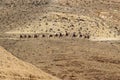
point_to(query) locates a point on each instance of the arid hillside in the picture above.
(69, 39)
(12, 68)
(94, 18)
(69, 59)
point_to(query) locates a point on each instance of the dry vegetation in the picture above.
(12, 68)
(53, 36)
(70, 59)
(49, 17)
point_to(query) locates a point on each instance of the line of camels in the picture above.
(59, 35)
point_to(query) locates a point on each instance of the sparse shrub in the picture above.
(46, 23)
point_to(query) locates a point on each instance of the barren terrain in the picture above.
(70, 59)
(79, 17)
(68, 39)
(12, 68)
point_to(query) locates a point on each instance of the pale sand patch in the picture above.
(18, 32)
(104, 39)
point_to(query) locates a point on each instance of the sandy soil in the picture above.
(69, 55)
(70, 59)
(105, 39)
(75, 16)
(12, 68)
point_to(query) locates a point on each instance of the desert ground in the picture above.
(60, 40)
(12, 68)
(70, 59)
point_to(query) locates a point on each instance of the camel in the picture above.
(35, 36)
(86, 36)
(66, 34)
(80, 35)
(43, 35)
(74, 35)
(50, 35)
(60, 35)
(56, 35)
(25, 36)
(29, 36)
(21, 36)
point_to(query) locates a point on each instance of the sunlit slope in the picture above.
(61, 16)
(56, 22)
(12, 68)
(70, 59)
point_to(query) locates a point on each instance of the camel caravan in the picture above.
(56, 35)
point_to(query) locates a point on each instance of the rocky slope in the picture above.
(79, 17)
(12, 68)
(65, 23)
